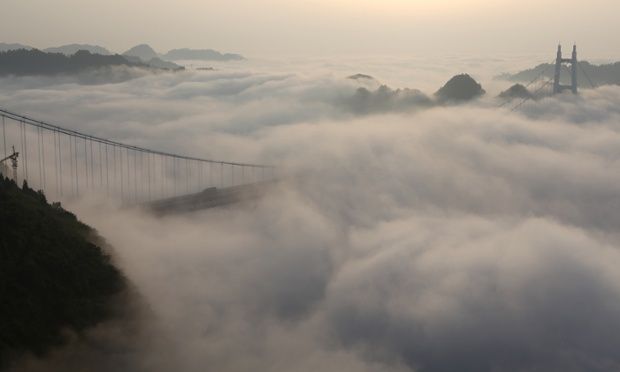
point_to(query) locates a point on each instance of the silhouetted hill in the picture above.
(460, 88)
(54, 275)
(13, 46)
(516, 91)
(608, 74)
(71, 49)
(200, 54)
(142, 51)
(165, 65)
(385, 99)
(36, 62)
(360, 77)
(155, 63)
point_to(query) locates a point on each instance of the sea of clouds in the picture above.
(404, 238)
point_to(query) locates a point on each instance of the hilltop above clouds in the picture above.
(71, 49)
(143, 51)
(13, 46)
(588, 75)
(201, 54)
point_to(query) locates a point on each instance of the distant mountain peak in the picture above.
(516, 91)
(142, 51)
(360, 77)
(201, 54)
(588, 75)
(71, 49)
(36, 62)
(165, 65)
(13, 46)
(461, 87)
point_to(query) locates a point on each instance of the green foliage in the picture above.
(52, 275)
(35, 62)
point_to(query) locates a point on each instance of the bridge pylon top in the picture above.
(557, 85)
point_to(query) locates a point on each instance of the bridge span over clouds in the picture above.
(67, 164)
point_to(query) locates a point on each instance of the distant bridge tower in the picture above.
(557, 86)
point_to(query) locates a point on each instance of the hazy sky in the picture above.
(318, 26)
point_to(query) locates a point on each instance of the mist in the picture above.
(407, 238)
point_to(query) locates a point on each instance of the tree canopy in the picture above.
(54, 275)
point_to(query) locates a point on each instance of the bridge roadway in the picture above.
(67, 164)
(209, 198)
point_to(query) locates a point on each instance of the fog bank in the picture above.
(464, 238)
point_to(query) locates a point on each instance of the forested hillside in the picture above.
(54, 275)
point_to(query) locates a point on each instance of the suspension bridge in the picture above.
(543, 86)
(67, 164)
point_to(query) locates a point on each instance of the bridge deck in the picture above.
(209, 198)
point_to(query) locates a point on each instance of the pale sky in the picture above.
(321, 27)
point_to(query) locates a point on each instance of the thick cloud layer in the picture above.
(466, 238)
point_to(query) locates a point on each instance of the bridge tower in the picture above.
(559, 62)
(13, 158)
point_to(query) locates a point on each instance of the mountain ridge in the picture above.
(588, 75)
(13, 46)
(71, 49)
(201, 54)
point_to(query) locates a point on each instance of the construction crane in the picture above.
(13, 158)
